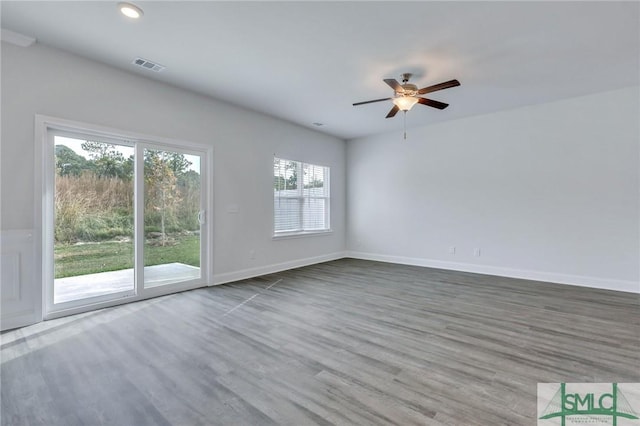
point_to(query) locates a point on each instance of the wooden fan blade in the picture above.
(368, 102)
(435, 87)
(393, 83)
(393, 111)
(432, 103)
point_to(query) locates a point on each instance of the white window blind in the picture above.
(301, 197)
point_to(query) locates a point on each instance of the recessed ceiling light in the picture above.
(130, 10)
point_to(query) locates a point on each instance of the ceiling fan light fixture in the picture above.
(130, 10)
(405, 103)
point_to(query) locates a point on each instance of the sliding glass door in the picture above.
(173, 216)
(126, 220)
(93, 233)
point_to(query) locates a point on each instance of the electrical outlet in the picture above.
(252, 254)
(452, 250)
(476, 252)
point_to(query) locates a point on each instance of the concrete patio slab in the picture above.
(91, 285)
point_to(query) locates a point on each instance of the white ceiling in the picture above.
(308, 62)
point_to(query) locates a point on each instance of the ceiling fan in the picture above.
(405, 95)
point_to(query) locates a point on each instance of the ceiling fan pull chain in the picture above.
(404, 121)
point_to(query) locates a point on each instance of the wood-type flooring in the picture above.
(348, 342)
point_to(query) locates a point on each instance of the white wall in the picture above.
(549, 192)
(42, 80)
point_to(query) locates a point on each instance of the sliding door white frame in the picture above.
(204, 209)
(45, 127)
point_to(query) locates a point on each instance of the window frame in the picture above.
(300, 196)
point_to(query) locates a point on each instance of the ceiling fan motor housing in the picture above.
(409, 89)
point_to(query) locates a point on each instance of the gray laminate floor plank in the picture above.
(348, 342)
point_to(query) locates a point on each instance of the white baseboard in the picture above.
(243, 274)
(552, 277)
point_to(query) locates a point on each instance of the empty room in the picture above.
(320, 213)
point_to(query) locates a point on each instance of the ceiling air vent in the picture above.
(152, 66)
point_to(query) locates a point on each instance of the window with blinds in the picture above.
(300, 197)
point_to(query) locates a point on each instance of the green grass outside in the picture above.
(74, 260)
